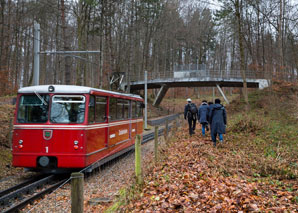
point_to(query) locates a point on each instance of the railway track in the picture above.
(18, 196)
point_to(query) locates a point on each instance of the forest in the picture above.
(152, 35)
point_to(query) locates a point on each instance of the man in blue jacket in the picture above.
(218, 121)
(203, 116)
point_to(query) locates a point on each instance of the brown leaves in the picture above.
(186, 182)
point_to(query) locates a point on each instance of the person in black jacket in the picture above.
(203, 114)
(217, 120)
(190, 112)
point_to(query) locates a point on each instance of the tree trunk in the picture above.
(238, 7)
(67, 61)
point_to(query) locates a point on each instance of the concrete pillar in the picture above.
(161, 94)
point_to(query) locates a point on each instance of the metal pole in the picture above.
(145, 99)
(36, 53)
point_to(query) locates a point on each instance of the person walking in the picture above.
(218, 121)
(210, 103)
(190, 112)
(203, 113)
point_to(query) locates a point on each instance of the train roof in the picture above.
(70, 89)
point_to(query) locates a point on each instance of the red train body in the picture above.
(61, 127)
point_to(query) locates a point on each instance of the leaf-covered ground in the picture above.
(255, 169)
(191, 180)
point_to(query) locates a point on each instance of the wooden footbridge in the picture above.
(193, 76)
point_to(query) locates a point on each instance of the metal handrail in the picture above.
(178, 74)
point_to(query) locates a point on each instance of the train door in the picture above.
(119, 121)
(130, 118)
(101, 115)
(139, 116)
(97, 134)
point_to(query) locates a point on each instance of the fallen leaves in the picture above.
(189, 181)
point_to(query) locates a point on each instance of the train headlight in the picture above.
(51, 88)
(76, 145)
(20, 144)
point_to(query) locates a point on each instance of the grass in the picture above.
(265, 138)
(265, 146)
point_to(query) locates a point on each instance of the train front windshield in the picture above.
(64, 109)
(33, 109)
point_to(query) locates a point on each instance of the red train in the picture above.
(59, 127)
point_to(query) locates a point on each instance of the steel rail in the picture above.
(34, 197)
(26, 189)
(18, 186)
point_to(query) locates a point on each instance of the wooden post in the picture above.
(77, 192)
(156, 144)
(138, 166)
(175, 127)
(166, 132)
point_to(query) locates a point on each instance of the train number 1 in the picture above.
(47, 149)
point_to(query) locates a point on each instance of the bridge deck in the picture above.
(195, 82)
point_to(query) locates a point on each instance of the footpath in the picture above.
(194, 176)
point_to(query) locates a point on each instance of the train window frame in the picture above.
(103, 117)
(44, 99)
(91, 109)
(70, 96)
(112, 109)
(120, 109)
(134, 109)
(71, 113)
(139, 112)
(126, 109)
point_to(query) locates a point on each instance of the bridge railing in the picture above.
(215, 74)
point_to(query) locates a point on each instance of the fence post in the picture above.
(138, 166)
(156, 144)
(77, 192)
(166, 132)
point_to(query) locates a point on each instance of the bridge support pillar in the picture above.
(222, 93)
(161, 94)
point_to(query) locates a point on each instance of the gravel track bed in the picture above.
(103, 185)
(10, 181)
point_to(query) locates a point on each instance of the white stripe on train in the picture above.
(78, 127)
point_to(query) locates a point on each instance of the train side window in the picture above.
(139, 109)
(91, 114)
(101, 105)
(134, 109)
(126, 104)
(113, 108)
(120, 109)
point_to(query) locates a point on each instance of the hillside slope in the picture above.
(255, 169)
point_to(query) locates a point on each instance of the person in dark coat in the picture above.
(191, 115)
(203, 114)
(210, 103)
(218, 121)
